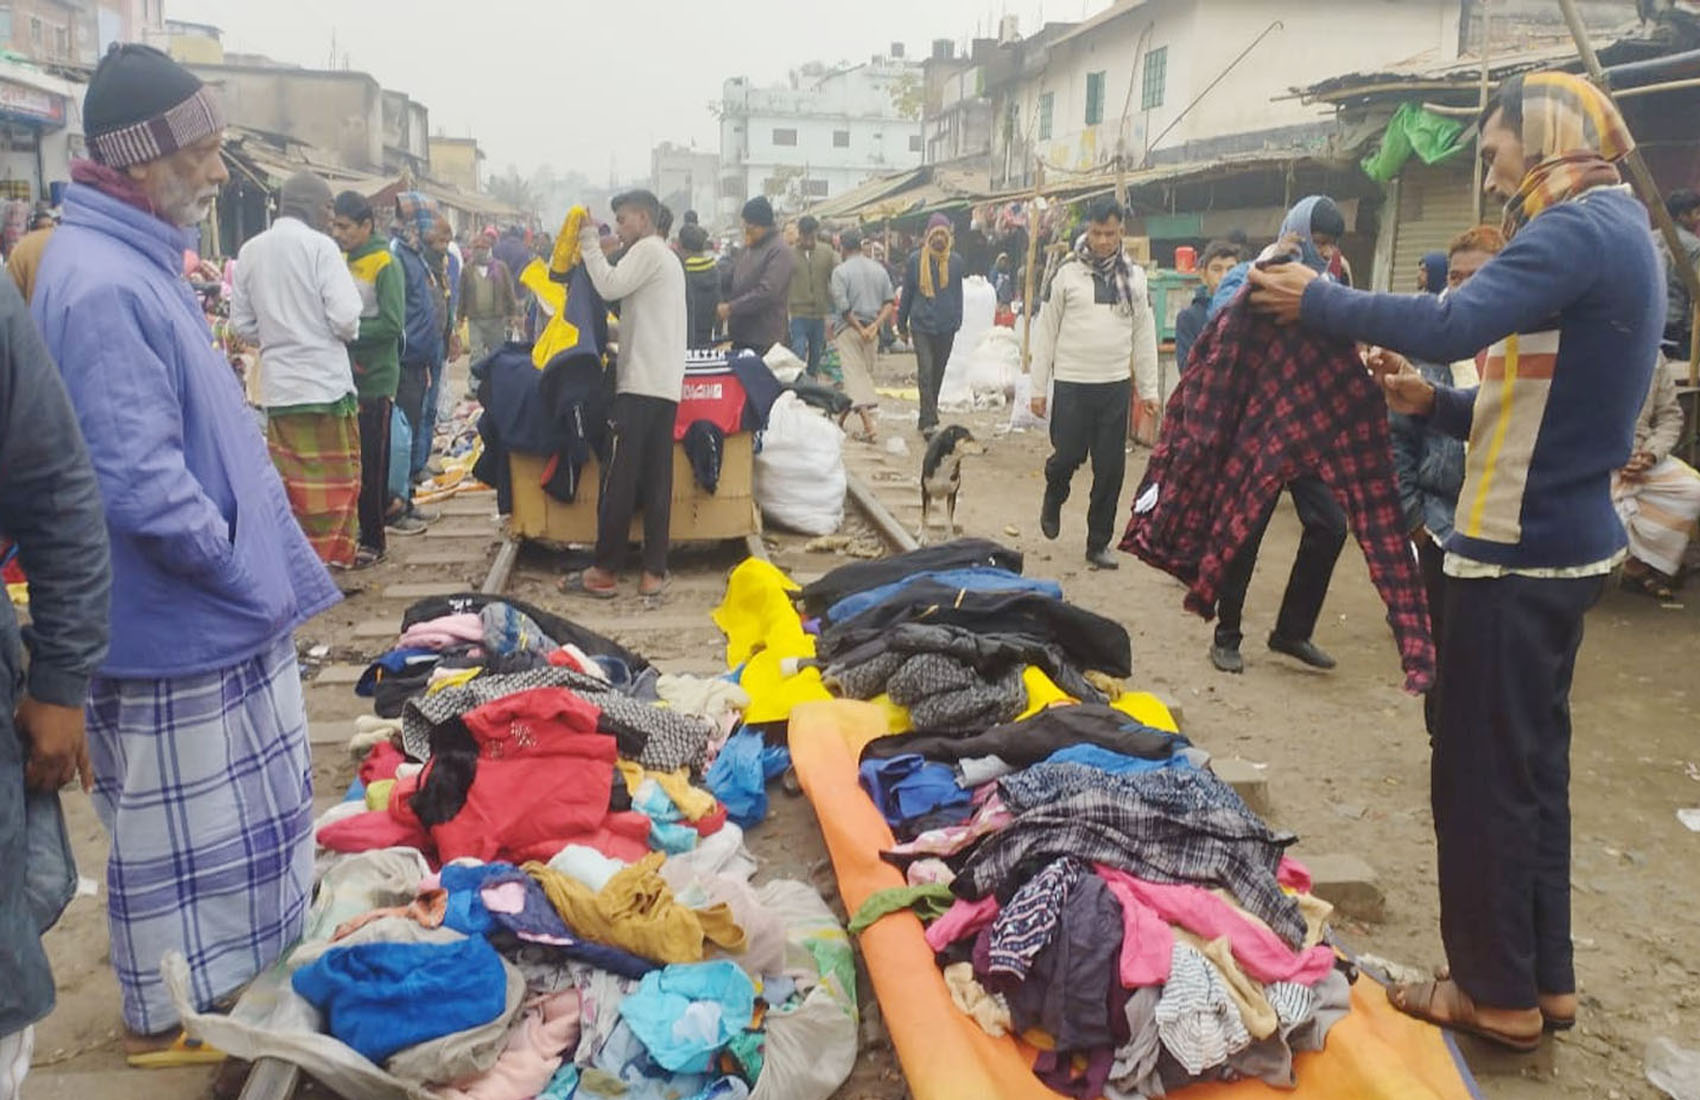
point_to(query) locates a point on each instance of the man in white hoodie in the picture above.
(649, 284)
(1097, 338)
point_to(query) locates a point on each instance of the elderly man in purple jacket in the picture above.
(196, 727)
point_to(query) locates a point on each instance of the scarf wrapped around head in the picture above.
(1112, 268)
(1573, 137)
(938, 228)
(415, 215)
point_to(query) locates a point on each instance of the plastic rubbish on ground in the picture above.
(1674, 1070)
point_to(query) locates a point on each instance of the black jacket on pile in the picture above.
(564, 631)
(1090, 641)
(863, 576)
(1026, 742)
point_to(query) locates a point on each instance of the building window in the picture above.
(1094, 98)
(1156, 78)
(785, 137)
(1047, 103)
(5, 25)
(731, 188)
(35, 32)
(815, 189)
(841, 139)
(914, 143)
(61, 42)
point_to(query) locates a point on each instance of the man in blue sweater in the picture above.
(1571, 314)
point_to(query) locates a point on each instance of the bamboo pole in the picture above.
(1028, 298)
(1639, 175)
(1487, 35)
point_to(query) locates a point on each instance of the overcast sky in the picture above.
(568, 82)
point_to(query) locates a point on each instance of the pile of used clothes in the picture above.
(529, 892)
(1087, 883)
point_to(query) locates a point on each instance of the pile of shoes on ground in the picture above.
(531, 892)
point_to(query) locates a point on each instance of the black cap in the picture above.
(141, 106)
(758, 211)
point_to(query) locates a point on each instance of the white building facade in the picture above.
(819, 136)
(1157, 81)
(685, 179)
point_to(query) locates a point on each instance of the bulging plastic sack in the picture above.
(799, 477)
(979, 306)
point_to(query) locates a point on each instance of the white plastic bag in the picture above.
(979, 306)
(784, 364)
(995, 366)
(799, 477)
(811, 1049)
(1021, 418)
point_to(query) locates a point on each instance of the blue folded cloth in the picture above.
(383, 997)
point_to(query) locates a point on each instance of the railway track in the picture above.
(468, 551)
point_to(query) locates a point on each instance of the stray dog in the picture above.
(941, 475)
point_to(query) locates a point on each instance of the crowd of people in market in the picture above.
(1499, 443)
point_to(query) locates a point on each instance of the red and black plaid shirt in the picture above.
(1260, 404)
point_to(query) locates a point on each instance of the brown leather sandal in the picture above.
(1550, 1021)
(1419, 1000)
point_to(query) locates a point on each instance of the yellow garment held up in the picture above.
(637, 912)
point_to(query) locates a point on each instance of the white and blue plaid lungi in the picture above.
(205, 785)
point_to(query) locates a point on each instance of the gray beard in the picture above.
(181, 206)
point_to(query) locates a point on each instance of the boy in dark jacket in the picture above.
(1220, 257)
(702, 286)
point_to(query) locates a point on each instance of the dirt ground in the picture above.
(1345, 751)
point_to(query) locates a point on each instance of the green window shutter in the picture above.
(1156, 78)
(1094, 98)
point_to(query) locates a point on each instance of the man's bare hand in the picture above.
(1149, 408)
(1280, 291)
(58, 745)
(1405, 388)
(1639, 463)
(723, 310)
(1038, 405)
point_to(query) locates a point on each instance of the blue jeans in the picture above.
(425, 430)
(808, 340)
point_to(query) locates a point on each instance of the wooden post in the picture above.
(1642, 178)
(1487, 33)
(1028, 298)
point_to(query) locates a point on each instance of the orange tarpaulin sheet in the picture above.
(1373, 1054)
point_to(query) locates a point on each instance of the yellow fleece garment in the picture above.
(762, 630)
(637, 912)
(694, 802)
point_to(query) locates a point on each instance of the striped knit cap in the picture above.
(142, 106)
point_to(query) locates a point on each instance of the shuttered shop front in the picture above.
(1435, 205)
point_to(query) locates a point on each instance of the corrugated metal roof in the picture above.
(1428, 70)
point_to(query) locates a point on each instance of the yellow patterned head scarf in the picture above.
(1573, 136)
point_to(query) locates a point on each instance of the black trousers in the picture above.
(1089, 420)
(932, 352)
(374, 472)
(1431, 559)
(638, 474)
(1500, 784)
(1313, 568)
